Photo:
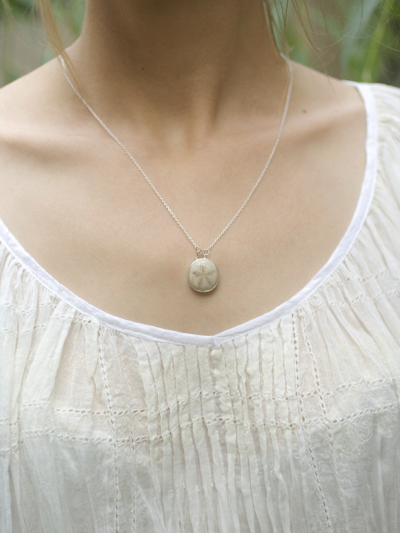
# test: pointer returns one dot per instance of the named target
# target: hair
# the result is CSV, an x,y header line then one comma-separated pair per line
x,y
53,35
46,14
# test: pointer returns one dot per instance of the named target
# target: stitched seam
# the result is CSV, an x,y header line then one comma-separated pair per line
x,y
23,331
358,384
349,301
365,279
258,396
6,422
110,406
368,384
37,405
217,420
167,435
134,487
359,414
132,448
7,451
313,463
323,408
62,436
13,306
83,440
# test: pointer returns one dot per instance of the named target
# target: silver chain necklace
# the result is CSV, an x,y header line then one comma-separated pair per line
x,y
203,273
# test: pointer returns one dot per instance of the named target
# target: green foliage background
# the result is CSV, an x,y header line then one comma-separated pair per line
x,y
351,39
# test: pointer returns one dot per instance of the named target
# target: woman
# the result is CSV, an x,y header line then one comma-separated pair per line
x,y
131,398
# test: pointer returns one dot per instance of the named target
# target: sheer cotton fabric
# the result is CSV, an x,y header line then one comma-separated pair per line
x,y
287,424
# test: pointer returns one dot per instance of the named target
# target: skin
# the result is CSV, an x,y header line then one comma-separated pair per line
x,y
196,91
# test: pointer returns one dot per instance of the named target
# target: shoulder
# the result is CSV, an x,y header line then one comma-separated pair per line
x,y
24,100
27,115
383,102
38,122
37,111
384,92
387,101
38,140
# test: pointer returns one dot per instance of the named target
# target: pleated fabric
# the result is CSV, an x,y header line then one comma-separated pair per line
x,y
292,427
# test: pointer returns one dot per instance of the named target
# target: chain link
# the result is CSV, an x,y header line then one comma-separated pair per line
x,y
198,249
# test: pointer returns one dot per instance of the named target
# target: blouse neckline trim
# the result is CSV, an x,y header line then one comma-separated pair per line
x,y
155,333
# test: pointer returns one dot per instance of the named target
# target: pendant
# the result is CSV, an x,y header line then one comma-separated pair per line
x,y
203,273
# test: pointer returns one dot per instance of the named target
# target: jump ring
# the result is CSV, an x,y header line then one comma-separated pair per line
x,y
204,252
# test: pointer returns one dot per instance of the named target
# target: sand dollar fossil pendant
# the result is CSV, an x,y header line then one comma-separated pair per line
x,y
203,273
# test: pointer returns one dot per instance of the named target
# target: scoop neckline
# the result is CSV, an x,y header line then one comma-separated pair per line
x,y
155,333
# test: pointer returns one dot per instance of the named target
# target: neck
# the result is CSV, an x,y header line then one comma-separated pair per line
x,y
180,60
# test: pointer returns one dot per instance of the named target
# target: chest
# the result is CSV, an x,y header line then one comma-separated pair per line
x,y
94,223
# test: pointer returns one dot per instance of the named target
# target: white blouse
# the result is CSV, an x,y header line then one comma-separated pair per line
x,y
288,423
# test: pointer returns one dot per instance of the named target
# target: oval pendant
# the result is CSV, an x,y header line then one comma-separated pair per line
x,y
203,275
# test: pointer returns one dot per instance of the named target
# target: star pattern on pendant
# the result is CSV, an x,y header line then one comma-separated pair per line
x,y
204,275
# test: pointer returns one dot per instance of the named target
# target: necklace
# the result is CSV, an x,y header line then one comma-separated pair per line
x,y
203,273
